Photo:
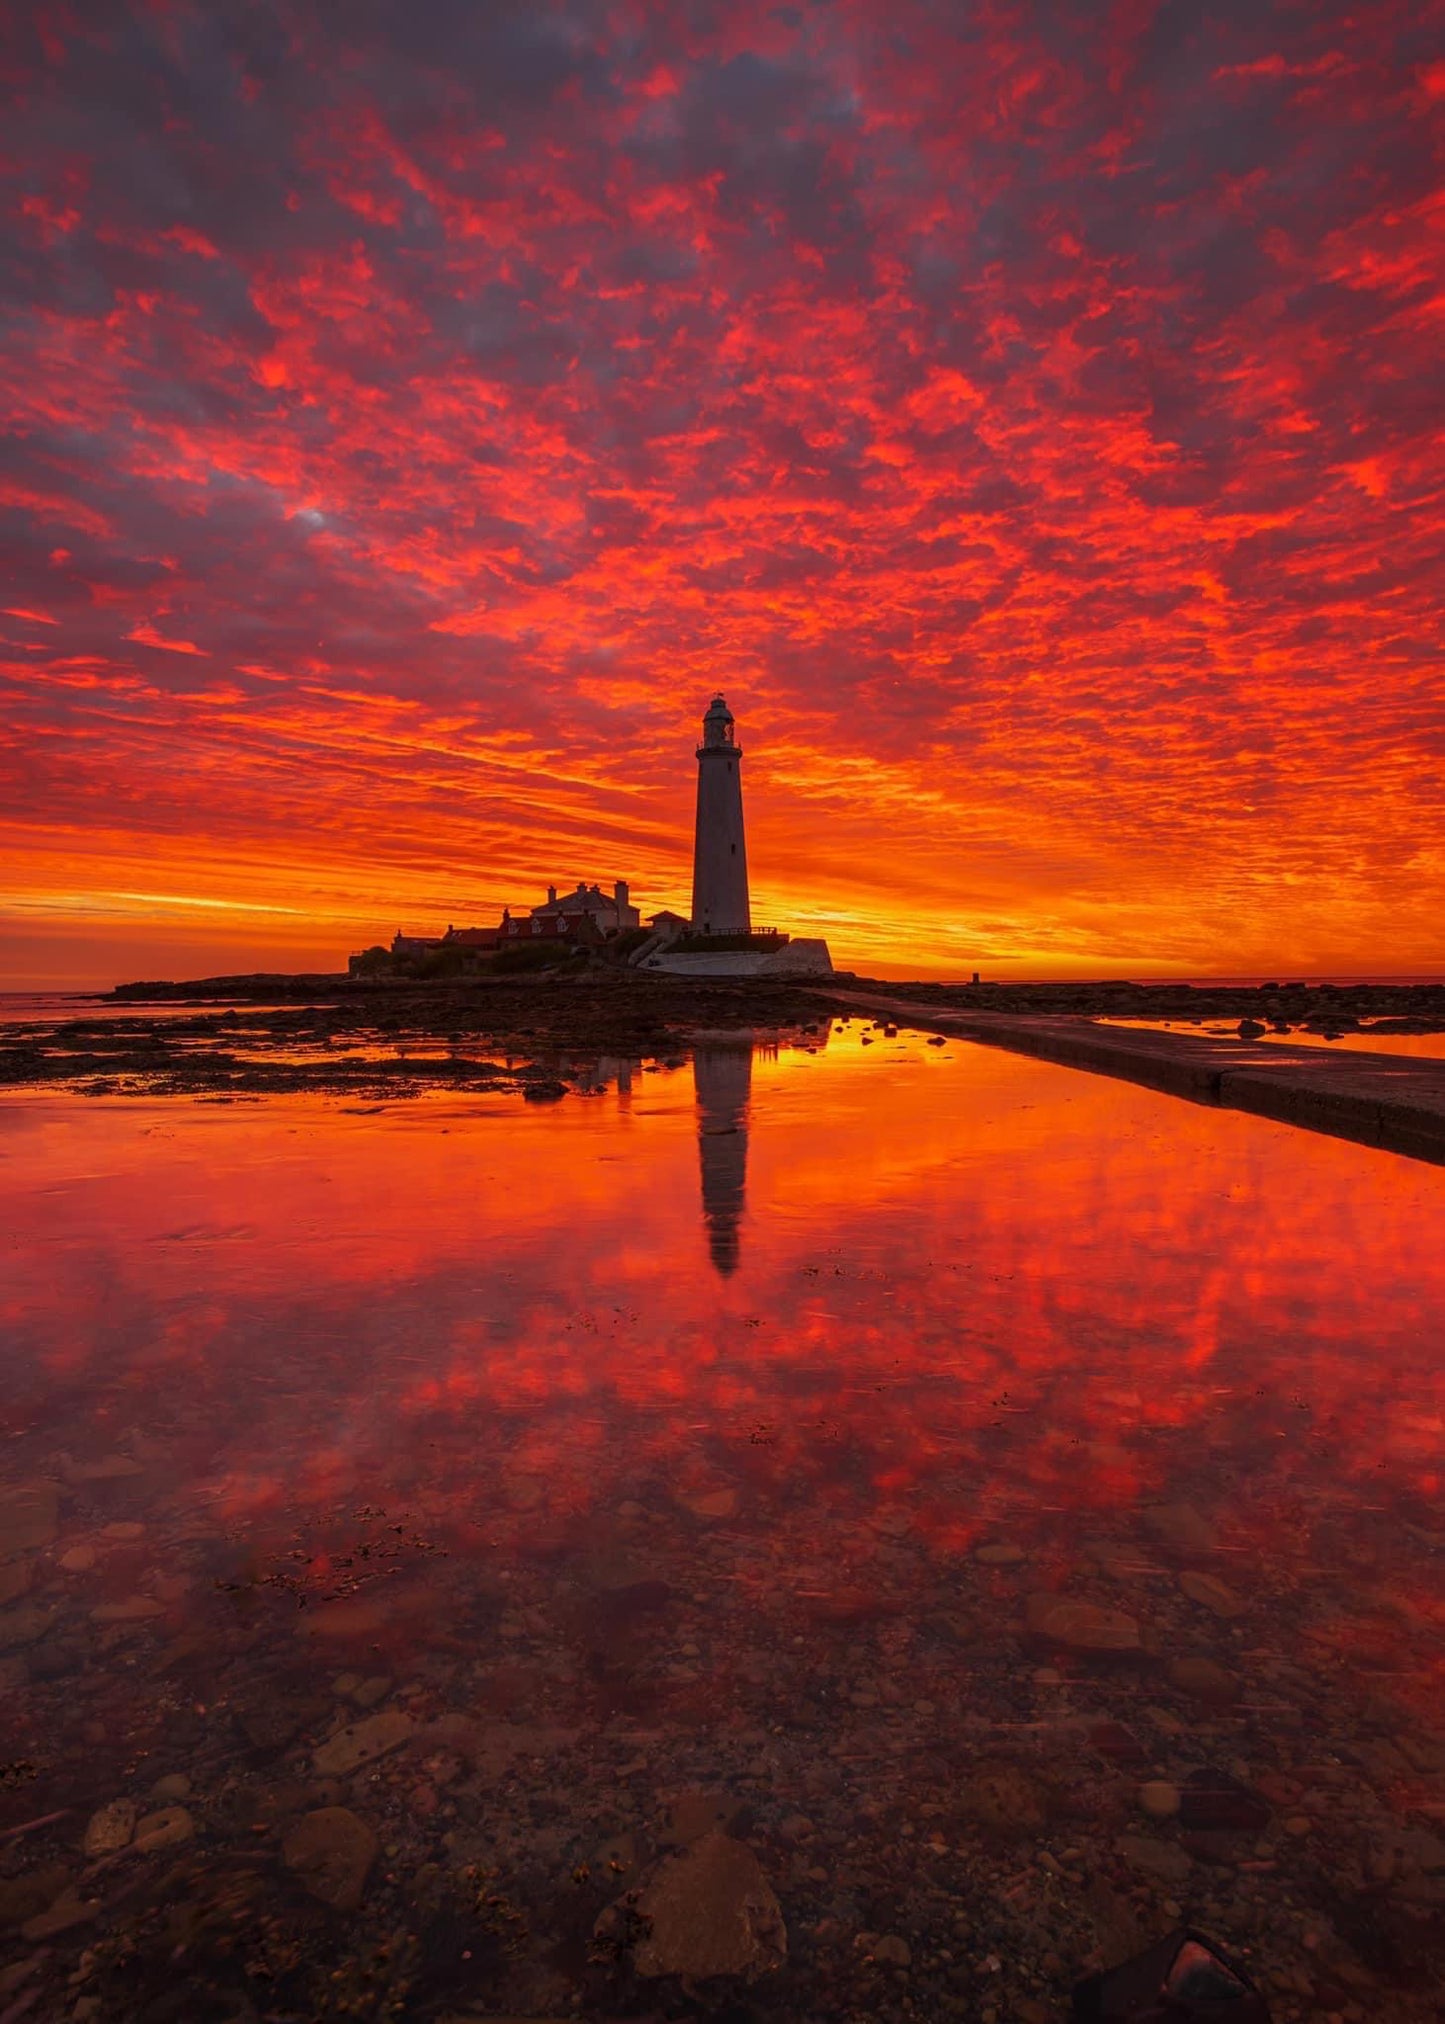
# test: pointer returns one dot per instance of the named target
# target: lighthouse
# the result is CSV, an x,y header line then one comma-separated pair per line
x,y
720,858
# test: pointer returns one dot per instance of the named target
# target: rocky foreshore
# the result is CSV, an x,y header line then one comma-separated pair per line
x,y
542,1035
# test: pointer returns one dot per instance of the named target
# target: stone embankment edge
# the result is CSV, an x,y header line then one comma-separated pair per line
x,y
1394,1102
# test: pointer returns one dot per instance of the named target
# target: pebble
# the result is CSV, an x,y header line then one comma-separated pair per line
x,y
1002,1553
175,1785
893,1951
1299,1825
1159,1799
78,1560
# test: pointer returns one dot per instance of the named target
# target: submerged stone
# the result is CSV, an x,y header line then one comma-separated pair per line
x,y
361,1743
331,1852
1211,1593
110,1829
708,1910
1181,1527
168,1828
1215,1799
1081,1626
1205,1681
28,1517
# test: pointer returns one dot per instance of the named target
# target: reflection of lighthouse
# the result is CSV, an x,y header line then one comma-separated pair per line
x,y
724,1078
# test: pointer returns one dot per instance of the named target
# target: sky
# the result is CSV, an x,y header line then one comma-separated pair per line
x,y
1028,415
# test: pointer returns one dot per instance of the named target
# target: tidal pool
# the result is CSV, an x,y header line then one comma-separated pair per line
x,y
935,1519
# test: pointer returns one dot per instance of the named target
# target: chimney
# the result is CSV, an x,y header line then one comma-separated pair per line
x,y
619,893
551,895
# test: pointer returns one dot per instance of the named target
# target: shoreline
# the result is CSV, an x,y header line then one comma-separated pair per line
x,y
541,1036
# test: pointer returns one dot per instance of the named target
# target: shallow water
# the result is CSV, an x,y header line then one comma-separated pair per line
x,y
722,1433
1417,1046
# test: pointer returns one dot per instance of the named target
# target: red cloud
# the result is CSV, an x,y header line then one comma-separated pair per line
x,y
1030,420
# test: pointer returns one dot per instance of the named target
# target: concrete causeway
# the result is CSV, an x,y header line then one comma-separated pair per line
x,y
1389,1100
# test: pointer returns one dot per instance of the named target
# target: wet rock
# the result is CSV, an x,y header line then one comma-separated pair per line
x,y
1162,1859
331,1852
110,1829
893,1951
1203,1680
708,1910
1081,1626
168,1828
1211,1593
1000,1553
28,1516
1215,1799
174,1786
370,1693
1159,1799
78,1559
362,1743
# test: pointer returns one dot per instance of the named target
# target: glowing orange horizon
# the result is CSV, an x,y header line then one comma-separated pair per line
x,y
1027,421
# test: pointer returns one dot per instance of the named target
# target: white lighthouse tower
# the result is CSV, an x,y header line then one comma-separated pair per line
x,y
720,857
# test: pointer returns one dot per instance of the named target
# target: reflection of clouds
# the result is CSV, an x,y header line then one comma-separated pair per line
x,y
415,1310
724,1079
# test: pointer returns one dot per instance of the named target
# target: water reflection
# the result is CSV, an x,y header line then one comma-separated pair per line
x,y
594,1529
723,1077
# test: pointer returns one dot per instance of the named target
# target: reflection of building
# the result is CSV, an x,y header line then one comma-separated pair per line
x,y
723,1075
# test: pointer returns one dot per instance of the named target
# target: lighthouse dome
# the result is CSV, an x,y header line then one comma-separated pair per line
x,y
717,725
